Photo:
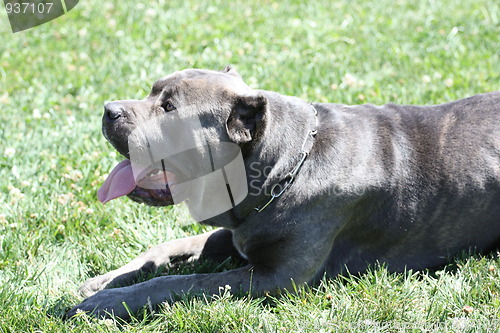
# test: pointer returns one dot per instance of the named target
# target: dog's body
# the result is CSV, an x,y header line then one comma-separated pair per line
x,y
408,186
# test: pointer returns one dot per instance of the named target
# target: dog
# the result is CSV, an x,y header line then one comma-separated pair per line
x,y
330,188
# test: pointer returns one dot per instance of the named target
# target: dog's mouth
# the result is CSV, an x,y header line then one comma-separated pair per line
x,y
151,186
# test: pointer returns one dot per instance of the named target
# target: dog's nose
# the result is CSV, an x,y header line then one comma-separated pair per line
x,y
113,110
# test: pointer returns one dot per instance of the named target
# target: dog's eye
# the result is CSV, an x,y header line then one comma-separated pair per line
x,y
168,106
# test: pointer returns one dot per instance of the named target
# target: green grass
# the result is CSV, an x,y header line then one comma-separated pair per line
x,y
55,78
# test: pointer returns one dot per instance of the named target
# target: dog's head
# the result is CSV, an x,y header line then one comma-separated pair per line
x,y
192,123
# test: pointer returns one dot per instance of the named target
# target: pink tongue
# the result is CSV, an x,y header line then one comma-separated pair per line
x,y
120,182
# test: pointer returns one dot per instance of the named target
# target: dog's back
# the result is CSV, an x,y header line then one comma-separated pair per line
x,y
429,178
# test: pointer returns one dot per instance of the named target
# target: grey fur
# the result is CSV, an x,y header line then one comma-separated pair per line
x,y
408,186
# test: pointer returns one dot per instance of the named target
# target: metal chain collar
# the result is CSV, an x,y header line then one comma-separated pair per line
x,y
287,181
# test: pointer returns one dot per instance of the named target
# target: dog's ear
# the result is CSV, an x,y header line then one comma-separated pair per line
x,y
231,71
246,118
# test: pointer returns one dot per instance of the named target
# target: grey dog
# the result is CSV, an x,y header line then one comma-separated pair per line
x,y
408,186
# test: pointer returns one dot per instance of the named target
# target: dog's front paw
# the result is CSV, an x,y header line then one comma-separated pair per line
x,y
95,284
120,302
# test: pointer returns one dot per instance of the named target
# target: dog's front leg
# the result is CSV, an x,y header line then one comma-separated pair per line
x,y
215,245
165,289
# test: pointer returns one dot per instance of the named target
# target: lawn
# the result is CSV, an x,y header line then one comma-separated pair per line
x,y
55,78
